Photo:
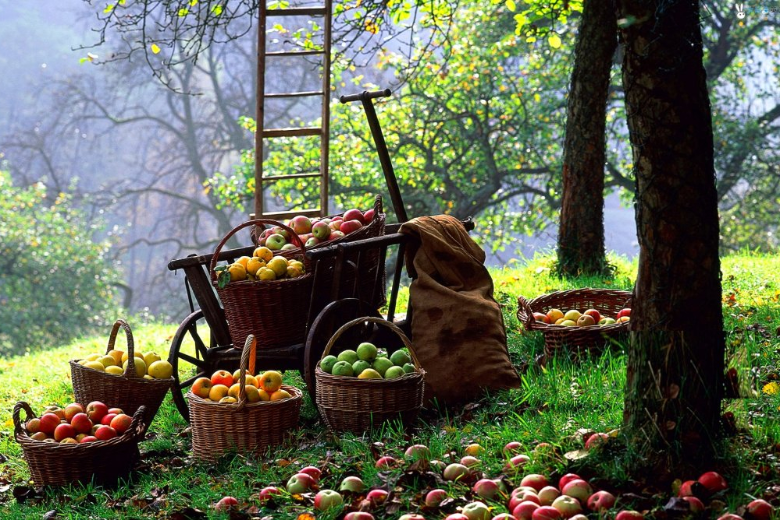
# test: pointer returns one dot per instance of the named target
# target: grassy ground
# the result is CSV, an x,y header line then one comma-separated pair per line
x,y
552,405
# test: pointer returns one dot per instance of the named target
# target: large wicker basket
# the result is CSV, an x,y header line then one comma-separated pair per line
x,y
357,405
607,301
268,310
218,428
128,391
101,462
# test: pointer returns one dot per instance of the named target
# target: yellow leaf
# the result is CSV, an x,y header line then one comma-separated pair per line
x,y
771,388
554,40
155,48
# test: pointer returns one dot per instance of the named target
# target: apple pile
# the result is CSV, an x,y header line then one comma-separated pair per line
x,y
263,265
316,230
77,424
575,318
368,362
224,387
148,366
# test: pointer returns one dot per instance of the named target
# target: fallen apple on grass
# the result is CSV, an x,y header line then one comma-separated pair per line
x,y
516,463
546,513
567,506
578,489
352,484
455,471
601,501
226,503
547,495
486,488
435,497
629,515
713,481
326,499
476,511
385,462
524,510
300,483
267,493
535,481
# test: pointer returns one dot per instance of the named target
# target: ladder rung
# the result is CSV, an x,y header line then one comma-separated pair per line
x,y
293,53
291,213
297,11
276,95
292,132
292,176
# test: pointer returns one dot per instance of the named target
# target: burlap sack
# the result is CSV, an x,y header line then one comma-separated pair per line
x,y
457,327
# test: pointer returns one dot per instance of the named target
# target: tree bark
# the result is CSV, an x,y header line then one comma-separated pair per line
x,y
581,231
676,355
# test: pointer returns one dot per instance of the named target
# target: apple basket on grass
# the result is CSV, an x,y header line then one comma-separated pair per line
x,y
101,462
243,426
607,301
128,391
268,309
356,405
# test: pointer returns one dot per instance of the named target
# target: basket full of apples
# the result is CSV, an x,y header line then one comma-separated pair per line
x,y
362,388
580,318
128,379
241,411
79,443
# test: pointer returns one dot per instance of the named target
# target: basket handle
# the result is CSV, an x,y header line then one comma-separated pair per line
x,y
120,323
377,207
137,425
215,256
378,321
18,407
250,350
524,313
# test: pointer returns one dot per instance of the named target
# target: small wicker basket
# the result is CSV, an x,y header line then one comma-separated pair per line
x,y
218,428
101,462
128,391
606,301
268,310
356,405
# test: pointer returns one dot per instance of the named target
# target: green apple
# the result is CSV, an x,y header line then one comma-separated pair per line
x,y
327,363
350,356
606,321
569,323
400,358
409,368
366,351
393,372
342,368
381,364
360,365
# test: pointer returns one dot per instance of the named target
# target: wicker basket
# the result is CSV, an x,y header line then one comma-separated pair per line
x,y
606,301
128,391
101,462
356,405
244,427
268,310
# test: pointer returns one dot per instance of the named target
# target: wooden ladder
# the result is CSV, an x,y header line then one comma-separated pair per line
x,y
322,131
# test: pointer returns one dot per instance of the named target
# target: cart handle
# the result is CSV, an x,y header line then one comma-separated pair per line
x,y
365,95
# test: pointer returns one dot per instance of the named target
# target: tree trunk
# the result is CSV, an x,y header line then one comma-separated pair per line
x,y
581,231
676,356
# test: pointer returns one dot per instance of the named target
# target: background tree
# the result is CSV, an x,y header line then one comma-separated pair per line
x,y
676,356
581,228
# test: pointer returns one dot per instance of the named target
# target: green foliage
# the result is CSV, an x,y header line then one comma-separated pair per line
x,y
55,281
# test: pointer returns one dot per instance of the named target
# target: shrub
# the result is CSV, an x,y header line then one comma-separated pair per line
x,y
55,281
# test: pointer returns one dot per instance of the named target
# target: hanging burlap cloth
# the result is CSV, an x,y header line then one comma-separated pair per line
x,y
457,327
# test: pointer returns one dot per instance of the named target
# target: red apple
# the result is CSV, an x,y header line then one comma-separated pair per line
x,y
368,216
513,447
71,410
516,463
313,471
713,481
411,516
730,516
520,489
377,496
567,478
226,503
759,509
567,506
486,488
593,313
579,517
623,312
49,421
503,516
455,471
470,461
106,419
601,500
81,423
96,411
690,488
88,438
697,506
326,499
578,489
385,462
121,423
352,484
267,493
540,316
321,231
629,515
547,495
63,431
105,433
476,511
546,513
359,515
524,510
456,516
348,226
435,497
354,214
300,224
535,481
418,451
595,440
300,483
116,411
336,234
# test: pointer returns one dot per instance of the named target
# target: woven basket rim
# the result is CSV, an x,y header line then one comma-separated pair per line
x,y
411,376
297,395
123,378
531,324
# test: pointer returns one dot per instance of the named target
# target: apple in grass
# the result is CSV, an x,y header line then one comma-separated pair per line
x,y
226,503
385,462
578,489
435,497
697,506
411,516
524,510
601,500
568,477
359,515
713,481
455,471
377,496
535,481
476,511
352,484
503,516
300,483
546,513
326,499
547,495
470,461
313,471
267,493
486,488
629,515
456,516
596,440
567,506
513,448
516,463
418,451
759,509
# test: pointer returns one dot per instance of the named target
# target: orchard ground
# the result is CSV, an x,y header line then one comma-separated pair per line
x,y
553,404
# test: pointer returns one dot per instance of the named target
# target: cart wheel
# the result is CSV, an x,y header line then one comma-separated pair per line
x,y
190,358
332,316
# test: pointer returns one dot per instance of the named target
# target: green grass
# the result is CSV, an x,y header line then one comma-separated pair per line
x,y
552,405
